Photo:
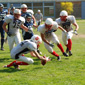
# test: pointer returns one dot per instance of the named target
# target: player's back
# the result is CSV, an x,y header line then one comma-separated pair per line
x,y
24,47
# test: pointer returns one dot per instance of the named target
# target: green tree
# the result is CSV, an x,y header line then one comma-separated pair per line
x,y
68,6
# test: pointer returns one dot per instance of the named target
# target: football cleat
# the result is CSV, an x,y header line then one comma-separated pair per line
x,y
65,54
58,58
39,52
67,50
70,53
5,66
2,49
16,66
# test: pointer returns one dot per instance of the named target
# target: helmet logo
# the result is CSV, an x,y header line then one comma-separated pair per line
x,y
36,38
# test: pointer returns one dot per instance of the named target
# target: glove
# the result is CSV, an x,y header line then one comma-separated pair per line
x,y
30,30
51,45
75,32
9,34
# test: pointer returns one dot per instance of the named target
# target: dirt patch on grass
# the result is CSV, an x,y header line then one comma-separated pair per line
x,y
79,36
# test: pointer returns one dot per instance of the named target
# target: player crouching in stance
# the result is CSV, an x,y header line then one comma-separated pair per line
x,y
66,21
47,34
25,46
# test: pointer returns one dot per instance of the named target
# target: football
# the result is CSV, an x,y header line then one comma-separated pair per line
x,y
43,62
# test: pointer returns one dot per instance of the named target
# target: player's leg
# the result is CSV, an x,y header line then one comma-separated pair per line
x,y
50,50
69,45
17,38
2,36
55,40
11,42
67,41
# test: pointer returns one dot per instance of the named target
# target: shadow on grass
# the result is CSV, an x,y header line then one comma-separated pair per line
x,y
37,68
1,60
10,70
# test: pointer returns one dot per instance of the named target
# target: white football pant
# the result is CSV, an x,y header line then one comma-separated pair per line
x,y
14,39
66,36
52,38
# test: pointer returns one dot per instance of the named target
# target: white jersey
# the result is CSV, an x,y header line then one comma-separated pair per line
x,y
14,25
67,25
25,46
44,31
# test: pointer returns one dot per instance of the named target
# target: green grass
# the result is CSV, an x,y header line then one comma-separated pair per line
x,y
68,71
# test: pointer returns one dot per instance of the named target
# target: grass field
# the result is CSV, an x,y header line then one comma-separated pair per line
x,y
68,71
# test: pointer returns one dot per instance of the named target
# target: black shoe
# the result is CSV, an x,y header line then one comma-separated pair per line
x,y
67,50
65,54
39,52
16,66
2,49
58,58
70,53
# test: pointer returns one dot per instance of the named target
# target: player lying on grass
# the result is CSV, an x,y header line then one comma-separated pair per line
x,y
26,46
47,34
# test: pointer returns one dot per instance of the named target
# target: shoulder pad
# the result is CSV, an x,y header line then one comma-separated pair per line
x,y
8,16
22,19
30,11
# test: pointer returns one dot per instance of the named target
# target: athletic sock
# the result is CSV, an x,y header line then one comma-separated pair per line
x,y
69,46
2,43
60,47
11,64
55,54
21,63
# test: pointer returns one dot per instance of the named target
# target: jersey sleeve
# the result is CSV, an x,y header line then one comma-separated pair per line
x,y
55,25
41,29
72,18
22,20
30,11
58,21
7,18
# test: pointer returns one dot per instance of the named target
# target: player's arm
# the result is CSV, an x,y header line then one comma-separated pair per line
x,y
34,19
61,29
4,26
34,25
24,27
43,38
76,26
38,56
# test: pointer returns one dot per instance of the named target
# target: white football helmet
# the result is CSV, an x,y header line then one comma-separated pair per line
x,y
23,6
38,11
63,13
37,39
17,11
49,21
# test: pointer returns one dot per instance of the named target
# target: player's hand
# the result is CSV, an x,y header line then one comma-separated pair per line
x,y
36,26
30,29
75,32
9,34
51,45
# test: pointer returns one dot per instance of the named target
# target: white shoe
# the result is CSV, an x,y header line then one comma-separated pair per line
x,y
5,66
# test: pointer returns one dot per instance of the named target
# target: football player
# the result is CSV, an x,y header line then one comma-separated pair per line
x,y
14,23
2,15
39,17
25,10
66,21
25,46
47,34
